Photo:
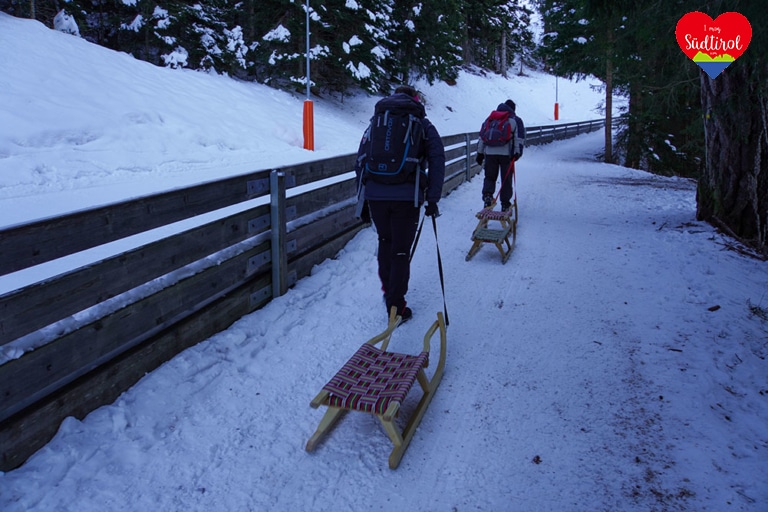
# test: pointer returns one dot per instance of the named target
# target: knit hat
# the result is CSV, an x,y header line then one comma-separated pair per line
x,y
410,91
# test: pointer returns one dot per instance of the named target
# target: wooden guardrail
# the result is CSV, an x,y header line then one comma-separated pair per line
x,y
184,265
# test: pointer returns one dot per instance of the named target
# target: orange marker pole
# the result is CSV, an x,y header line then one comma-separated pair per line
x,y
556,112
309,125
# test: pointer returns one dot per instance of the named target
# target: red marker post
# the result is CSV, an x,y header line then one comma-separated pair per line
x,y
309,125
309,109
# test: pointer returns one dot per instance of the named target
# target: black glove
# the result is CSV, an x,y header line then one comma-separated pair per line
x,y
480,158
431,209
365,213
518,155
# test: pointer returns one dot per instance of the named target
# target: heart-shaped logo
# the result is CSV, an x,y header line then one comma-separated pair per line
x,y
713,44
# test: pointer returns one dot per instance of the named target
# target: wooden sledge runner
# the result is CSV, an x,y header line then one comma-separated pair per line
x,y
497,235
376,381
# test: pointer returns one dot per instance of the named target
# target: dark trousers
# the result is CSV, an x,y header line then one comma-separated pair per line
x,y
495,164
396,224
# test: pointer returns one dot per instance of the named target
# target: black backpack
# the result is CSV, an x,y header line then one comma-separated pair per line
x,y
395,140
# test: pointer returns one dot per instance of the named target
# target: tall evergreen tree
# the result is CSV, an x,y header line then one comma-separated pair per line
x,y
349,44
521,41
427,42
583,37
733,188
497,30
355,32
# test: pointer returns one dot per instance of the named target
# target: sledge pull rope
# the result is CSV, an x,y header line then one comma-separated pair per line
x,y
439,260
514,182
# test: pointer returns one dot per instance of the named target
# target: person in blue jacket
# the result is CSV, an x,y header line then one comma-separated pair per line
x,y
395,208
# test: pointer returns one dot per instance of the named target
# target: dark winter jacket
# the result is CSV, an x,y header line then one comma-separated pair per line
x,y
430,178
515,145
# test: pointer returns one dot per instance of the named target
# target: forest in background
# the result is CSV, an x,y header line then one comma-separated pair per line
x,y
679,121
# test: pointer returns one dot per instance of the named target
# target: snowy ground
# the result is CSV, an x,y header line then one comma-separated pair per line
x,y
616,362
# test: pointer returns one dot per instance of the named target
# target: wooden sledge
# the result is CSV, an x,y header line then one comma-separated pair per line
x,y
497,235
376,381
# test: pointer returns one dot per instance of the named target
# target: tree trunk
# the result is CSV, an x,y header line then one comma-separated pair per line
x,y
504,53
733,190
609,111
609,100
634,136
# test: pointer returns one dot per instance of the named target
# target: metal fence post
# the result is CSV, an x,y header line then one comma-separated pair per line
x,y
468,142
278,233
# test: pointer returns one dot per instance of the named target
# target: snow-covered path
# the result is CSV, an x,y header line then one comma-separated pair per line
x,y
588,373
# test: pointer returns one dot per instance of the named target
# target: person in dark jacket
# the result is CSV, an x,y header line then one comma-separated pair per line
x,y
498,160
395,208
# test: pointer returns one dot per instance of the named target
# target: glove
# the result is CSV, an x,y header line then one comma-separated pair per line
x,y
480,158
431,209
365,214
518,155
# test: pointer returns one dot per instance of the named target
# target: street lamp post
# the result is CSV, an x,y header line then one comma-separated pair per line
x,y
309,128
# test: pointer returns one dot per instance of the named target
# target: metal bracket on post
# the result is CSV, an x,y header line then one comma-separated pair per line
x,y
278,233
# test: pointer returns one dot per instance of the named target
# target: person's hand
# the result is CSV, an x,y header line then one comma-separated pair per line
x,y
480,158
431,210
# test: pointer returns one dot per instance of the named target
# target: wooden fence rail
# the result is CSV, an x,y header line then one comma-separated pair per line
x,y
181,266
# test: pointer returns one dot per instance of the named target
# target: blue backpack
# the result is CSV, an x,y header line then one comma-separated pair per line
x,y
395,140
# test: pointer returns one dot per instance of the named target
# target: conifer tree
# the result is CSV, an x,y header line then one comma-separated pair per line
x,y
495,33
733,188
356,34
349,45
583,37
427,42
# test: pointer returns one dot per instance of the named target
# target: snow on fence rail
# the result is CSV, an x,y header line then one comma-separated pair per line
x,y
155,275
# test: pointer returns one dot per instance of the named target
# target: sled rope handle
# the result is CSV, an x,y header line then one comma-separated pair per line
x,y
439,260
514,183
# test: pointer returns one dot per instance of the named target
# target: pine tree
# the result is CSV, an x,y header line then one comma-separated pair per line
x,y
356,33
427,42
733,189
349,45
495,33
583,37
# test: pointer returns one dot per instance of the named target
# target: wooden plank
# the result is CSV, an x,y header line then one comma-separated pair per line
x,y
29,309
313,235
25,433
38,373
310,172
459,152
454,169
303,264
453,183
450,140
45,240
314,201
